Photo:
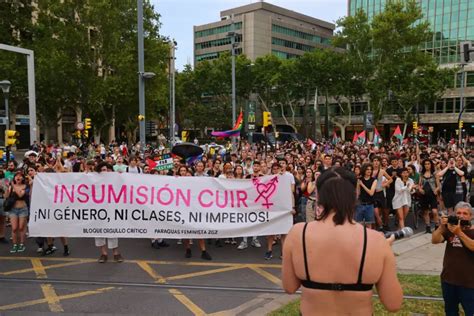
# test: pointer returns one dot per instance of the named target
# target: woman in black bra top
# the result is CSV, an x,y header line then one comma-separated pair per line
x,y
337,261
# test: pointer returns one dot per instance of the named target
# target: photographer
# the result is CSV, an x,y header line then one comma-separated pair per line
x,y
335,259
457,279
451,191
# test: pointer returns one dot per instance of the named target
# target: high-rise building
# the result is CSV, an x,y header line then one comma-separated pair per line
x,y
261,29
451,21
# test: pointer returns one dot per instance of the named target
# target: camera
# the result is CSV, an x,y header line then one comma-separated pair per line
x,y
453,220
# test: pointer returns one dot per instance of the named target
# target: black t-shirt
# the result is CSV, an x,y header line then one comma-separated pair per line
x,y
458,262
364,197
393,172
449,181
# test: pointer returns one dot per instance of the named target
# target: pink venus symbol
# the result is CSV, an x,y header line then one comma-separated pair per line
x,y
265,190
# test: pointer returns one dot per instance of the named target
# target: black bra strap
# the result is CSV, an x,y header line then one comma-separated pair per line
x,y
361,268
304,253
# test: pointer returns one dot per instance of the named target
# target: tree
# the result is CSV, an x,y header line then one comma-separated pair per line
x,y
15,29
411,75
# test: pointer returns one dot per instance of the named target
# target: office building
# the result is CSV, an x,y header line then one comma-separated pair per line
x,y
452,22
262,29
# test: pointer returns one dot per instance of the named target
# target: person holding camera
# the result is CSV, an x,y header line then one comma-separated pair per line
x,y
452,190
457,279
336,260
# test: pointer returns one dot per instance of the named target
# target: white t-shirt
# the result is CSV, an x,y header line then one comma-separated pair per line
x,y
131,169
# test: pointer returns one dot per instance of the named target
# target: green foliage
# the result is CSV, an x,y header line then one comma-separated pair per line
x,y
86,58
417,285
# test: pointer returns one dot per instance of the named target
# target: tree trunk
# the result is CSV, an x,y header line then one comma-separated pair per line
x,y
318,135
59,128
305,115
112,126
46,134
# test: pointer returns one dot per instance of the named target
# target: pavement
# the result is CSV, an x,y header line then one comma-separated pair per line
x,y
417,255
152,282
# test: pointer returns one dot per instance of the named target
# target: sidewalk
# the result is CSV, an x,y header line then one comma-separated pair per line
x,y
417,255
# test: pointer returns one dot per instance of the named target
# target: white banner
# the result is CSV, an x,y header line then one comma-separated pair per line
x,y
151,206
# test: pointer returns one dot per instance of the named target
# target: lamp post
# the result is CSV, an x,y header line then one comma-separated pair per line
x,y
461,105
233,44
5,86
172,71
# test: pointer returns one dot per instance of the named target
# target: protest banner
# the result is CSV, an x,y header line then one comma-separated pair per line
x,y
165,162
150,206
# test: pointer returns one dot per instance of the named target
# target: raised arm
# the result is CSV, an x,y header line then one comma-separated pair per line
x,y
388,286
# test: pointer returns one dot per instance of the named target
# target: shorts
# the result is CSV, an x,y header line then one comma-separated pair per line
x,y
380,200
365,213
111,242
449,199
428,202
19,212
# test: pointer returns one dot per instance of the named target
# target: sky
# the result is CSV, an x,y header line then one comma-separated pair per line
x,y
179,16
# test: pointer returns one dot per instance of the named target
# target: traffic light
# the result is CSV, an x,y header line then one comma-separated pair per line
x,y
87,123
267,119
77,134
86,133
11,137
141,117
466,49
461,124
415,126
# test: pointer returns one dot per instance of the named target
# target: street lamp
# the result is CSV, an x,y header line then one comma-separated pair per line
x,y
232,34
5,86
142,75
171,68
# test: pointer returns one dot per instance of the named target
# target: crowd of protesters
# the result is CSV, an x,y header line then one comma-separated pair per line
x,y
391,177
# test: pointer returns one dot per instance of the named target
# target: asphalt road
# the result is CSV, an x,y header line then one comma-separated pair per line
x,y
149,282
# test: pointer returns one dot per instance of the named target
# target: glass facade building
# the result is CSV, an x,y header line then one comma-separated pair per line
x,y
262,29
451,21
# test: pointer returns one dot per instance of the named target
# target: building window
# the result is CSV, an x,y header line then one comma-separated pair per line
x,y
469,104
470,79
449,106
290,44
217,30
208,56
218,42
294,33
283,55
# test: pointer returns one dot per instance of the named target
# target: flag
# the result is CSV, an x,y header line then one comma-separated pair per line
x,y
235,132
398,133
151,163
361,138
377,138
335,139
354,139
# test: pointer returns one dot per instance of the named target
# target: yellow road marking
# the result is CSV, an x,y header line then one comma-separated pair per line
x,y
62,297
52,298
207,272
38,268
181,263
148,269
52,266
187,302
267,275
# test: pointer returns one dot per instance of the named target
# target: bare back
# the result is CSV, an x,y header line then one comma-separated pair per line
x,y
334,256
